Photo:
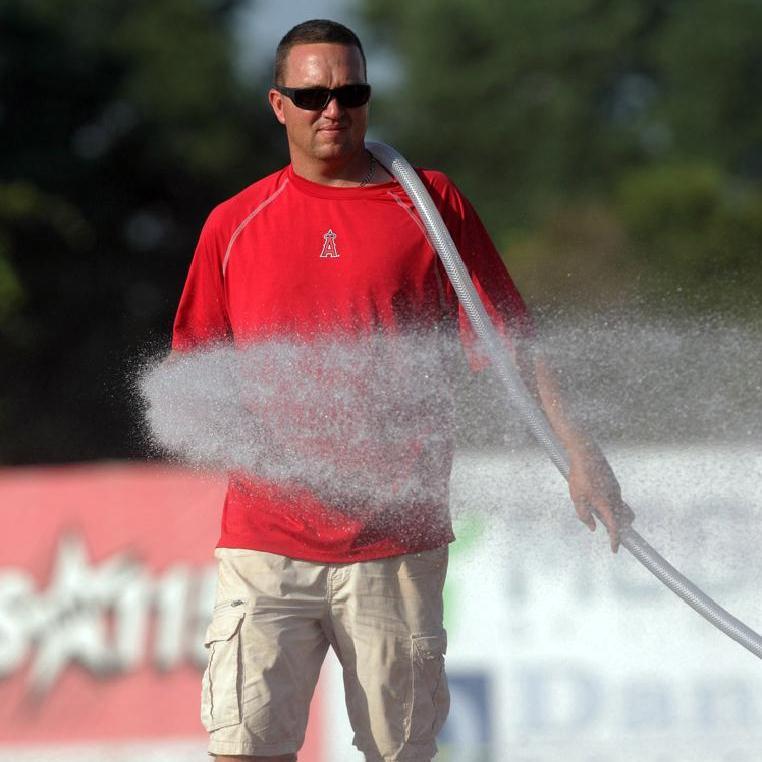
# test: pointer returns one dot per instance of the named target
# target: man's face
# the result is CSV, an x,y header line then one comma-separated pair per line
x,y
334,134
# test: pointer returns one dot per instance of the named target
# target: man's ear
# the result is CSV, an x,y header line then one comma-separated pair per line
x,y
276,103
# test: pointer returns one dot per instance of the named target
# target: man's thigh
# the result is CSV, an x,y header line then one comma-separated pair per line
x,y
389,636
266,645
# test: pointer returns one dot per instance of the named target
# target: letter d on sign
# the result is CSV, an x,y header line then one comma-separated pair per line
x,y
558,699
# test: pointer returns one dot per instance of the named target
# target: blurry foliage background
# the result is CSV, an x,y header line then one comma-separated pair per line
x,y
613,147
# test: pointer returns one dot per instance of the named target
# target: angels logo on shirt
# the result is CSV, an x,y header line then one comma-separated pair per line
x,y
329,245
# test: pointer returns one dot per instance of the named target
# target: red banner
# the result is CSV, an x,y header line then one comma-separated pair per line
x,y
106,588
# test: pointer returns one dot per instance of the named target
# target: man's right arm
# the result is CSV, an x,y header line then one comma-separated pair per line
x,y
202,314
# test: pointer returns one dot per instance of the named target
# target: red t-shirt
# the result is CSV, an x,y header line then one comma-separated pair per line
x,y
289,258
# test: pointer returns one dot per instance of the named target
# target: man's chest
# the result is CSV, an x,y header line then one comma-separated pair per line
x,y
311,266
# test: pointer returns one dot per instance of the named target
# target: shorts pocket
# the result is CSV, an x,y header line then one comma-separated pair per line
x,y
220,686
430,697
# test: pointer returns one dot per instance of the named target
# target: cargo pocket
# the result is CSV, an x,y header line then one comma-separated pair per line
x,y
220,686
430,697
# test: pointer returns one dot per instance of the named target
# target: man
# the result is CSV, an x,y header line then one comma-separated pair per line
x,y
331,245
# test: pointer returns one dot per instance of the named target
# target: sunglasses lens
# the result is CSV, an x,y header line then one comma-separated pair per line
x,y
352,96
312,98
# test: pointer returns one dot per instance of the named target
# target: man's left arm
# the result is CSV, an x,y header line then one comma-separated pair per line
x,y
593,487
592,484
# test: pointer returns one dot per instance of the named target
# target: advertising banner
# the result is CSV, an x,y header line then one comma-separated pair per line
x,y
557,649
106,589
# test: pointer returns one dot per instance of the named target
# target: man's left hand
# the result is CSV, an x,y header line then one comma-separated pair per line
x,y
595,491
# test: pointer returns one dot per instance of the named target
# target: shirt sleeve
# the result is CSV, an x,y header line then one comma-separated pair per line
x,y
202,315
494,285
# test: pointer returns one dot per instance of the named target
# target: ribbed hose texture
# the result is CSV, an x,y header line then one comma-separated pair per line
x,y
523,402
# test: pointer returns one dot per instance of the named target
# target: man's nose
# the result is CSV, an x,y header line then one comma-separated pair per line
x,y
333,108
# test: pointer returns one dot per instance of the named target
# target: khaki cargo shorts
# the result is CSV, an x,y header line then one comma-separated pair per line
x,y
273,622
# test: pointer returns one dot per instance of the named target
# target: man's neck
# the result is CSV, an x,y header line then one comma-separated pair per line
x,y
349,173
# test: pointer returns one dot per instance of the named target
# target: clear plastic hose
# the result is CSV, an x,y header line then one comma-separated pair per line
x,y
519,397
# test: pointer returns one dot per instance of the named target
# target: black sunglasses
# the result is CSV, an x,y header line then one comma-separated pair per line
x,y
317,98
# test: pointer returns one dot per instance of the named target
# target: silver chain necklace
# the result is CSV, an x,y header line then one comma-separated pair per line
x,y
371,170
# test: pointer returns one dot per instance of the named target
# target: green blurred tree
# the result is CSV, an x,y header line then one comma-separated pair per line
x,y
548,114
121,125
696,228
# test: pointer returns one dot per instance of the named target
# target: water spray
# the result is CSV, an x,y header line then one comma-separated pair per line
x,y
521,400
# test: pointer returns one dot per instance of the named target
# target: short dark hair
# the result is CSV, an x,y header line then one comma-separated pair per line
x,y
315,30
